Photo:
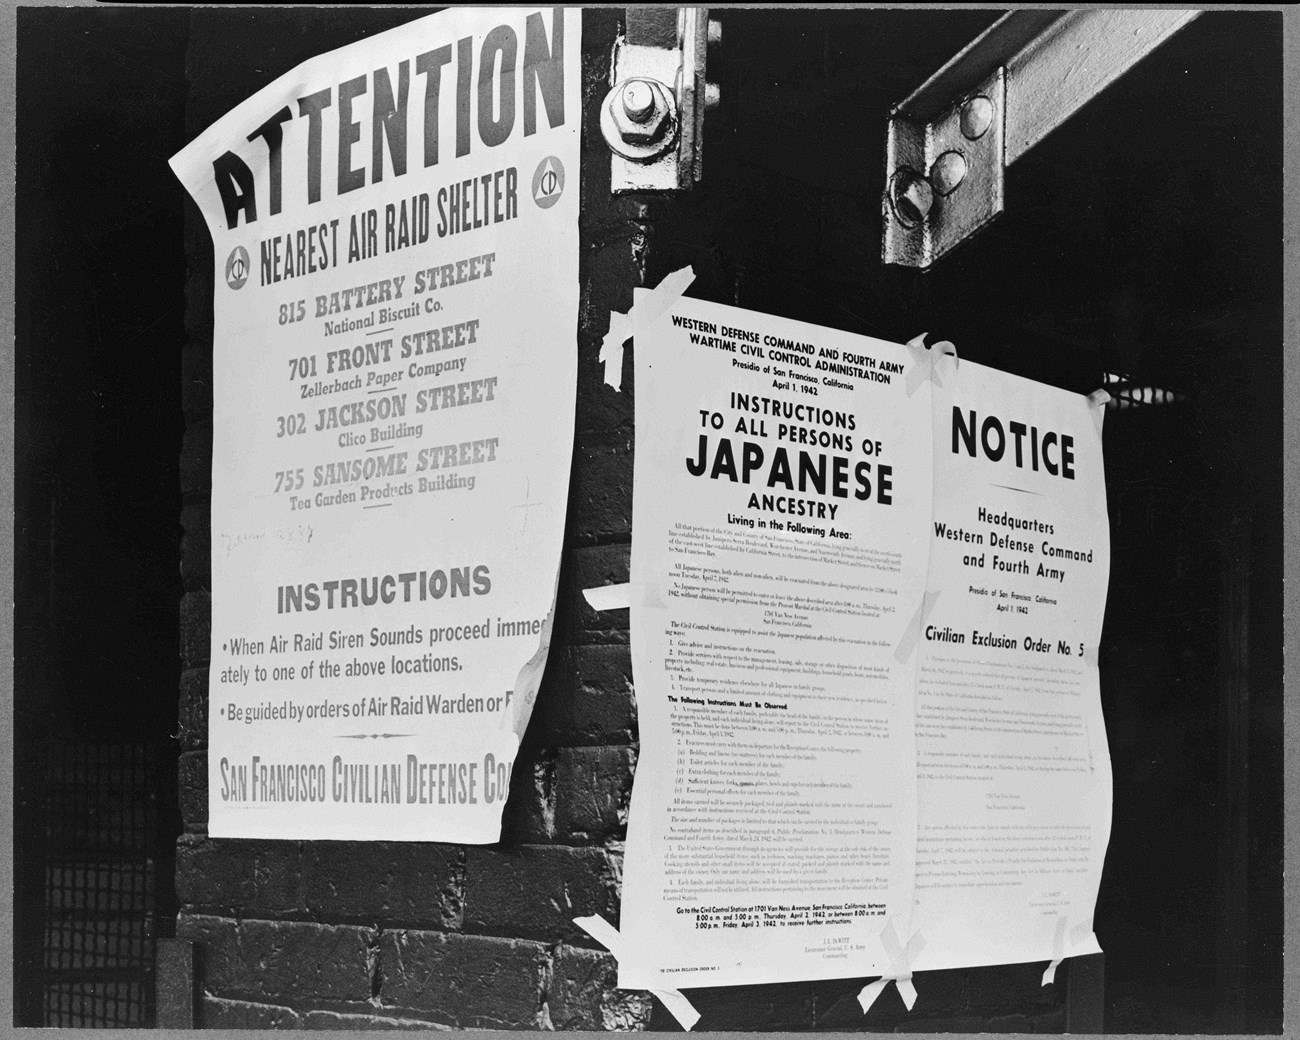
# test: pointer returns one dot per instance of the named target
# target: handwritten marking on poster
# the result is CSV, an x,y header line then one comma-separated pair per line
x,y
394,367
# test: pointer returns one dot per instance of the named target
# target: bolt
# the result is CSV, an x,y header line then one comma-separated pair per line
x,y
948,171
639,113
638,101
976,117
911,196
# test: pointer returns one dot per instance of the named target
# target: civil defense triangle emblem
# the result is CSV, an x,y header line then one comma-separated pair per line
x,y
548,182
237,267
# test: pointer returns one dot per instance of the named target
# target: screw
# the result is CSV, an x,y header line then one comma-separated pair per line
x,y
638,101
976,117
911,196
948,171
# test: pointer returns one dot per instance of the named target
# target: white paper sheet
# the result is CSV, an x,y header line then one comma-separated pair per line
x,y
395,236
902,725
778,557
1014,776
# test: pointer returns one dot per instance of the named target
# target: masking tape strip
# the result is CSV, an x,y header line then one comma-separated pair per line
x,y
919,371
912,634
611,348
871,991
1058,951
898,974
938,352
607,935
661,298
925,362
1099,398
1090,655
609,597
664,295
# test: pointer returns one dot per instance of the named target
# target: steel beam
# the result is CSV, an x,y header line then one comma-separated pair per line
x,y
1031,70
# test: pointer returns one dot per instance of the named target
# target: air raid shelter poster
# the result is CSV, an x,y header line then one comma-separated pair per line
x,y
395,237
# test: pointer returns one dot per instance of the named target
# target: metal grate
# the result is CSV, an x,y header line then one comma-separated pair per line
x,y
98,1003
1125,392
101,826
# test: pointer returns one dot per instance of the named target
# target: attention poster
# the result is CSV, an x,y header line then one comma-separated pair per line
x,y
395,235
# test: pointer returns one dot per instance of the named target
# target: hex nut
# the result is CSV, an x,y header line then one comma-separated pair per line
x,y
910,197
650,127
638,119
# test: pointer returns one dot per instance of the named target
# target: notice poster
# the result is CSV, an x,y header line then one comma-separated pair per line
x,y
396,251
871,731
777,565
1014,782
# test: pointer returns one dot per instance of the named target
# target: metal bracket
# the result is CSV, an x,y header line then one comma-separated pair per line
x,y
1034,68
945,177
653,117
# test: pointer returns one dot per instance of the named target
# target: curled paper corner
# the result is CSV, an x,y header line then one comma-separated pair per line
x,y
925,362
900,974
529,680
912,633
609,597
621,324
607,935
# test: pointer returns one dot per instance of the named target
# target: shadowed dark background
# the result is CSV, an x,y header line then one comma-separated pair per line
x,y
1142,238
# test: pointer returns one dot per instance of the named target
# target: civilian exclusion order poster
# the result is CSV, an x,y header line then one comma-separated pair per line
x,y
867,590
395,235
1013,771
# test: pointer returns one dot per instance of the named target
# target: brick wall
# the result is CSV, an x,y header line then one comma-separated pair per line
x,y
359,934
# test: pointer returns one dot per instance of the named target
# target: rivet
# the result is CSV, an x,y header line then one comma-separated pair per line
x,y
638,101
948,171
976,117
